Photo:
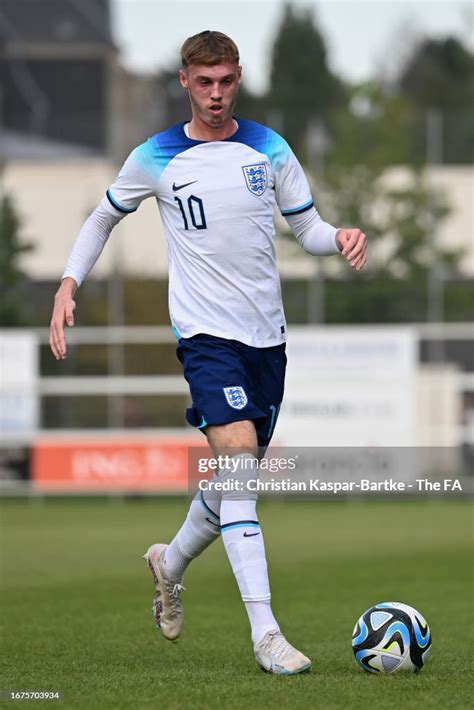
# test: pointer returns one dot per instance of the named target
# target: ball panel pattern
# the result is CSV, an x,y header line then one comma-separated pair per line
x,y
391,636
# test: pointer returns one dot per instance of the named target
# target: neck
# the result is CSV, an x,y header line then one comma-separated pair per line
x,y
200,131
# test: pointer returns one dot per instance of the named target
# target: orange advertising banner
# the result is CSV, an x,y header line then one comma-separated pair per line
x,y
93,465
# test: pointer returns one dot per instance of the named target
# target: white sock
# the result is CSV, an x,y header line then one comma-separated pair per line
x,y
200,528
261,619
243,541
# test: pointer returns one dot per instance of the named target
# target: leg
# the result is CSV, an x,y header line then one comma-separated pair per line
x,y
206,360
223,375
245,549
168,563
202,524
241,534
200,528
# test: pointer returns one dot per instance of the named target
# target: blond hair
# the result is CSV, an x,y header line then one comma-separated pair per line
x,y
209,48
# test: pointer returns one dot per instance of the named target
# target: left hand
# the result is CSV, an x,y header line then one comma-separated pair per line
x,y
352,244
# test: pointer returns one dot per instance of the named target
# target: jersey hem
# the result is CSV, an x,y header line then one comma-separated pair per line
x,y
253,343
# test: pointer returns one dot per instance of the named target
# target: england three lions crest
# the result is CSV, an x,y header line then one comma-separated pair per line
x,y
236,397
256,178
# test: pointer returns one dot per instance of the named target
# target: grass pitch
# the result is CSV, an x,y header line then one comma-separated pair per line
x,y
77,596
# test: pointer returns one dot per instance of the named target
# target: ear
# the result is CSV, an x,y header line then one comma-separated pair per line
x,y
239,74
183,79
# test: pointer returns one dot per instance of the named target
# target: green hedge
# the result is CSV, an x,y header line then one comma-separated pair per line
x,y
378,301
358,300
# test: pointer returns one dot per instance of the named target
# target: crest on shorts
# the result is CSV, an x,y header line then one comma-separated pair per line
x,y
236,397
256,178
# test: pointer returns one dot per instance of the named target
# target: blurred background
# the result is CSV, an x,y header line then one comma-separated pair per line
x,y
376,99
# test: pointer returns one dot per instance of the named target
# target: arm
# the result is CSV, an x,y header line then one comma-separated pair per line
x,y
293,196
322,239
132,185
315,236
85,252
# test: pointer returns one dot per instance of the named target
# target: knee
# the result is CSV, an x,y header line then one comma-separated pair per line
x,y
233,438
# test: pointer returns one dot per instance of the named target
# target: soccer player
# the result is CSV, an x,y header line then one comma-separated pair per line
x,y
217,180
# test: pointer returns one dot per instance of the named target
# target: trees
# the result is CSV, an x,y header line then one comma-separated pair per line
x,y
13,306
377,129
400,220
413,216
302,86
372,127
440,74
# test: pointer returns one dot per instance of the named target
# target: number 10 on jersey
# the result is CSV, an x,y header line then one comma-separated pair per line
x,y
192,211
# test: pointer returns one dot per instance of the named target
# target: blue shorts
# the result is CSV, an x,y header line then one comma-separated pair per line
x,y
233,382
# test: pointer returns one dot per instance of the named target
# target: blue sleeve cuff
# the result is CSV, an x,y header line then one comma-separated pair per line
x,y
118,207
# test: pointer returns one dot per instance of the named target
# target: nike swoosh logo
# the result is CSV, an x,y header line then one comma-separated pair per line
x,y
246,534
180,187
213,523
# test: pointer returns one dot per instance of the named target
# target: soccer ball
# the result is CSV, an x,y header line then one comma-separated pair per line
x,y
391,637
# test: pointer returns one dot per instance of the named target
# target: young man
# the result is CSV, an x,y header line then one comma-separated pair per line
x,y
217,180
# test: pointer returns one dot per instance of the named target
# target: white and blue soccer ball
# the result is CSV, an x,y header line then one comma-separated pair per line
x,y
391,637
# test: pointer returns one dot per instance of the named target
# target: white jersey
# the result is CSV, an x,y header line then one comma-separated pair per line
x,y
217,201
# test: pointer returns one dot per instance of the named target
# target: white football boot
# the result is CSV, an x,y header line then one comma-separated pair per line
x,y
167,607
275,655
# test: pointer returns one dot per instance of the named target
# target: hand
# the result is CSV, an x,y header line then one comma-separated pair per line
x,y
63,312
352,244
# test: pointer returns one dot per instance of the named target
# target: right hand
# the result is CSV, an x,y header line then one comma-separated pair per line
x,y
63,312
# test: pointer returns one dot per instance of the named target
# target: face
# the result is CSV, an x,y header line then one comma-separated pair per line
x,y
212,91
